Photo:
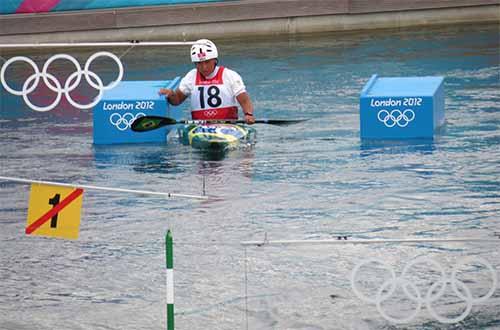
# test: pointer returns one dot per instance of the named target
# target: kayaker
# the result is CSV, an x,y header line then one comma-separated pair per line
x,y
215,91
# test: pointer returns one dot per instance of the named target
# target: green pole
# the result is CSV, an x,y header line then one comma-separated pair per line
x,y
170,280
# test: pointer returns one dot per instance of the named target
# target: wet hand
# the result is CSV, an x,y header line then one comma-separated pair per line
x,y
249,119
166,91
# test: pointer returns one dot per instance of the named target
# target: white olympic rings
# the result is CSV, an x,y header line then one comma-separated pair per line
x,y
435,292
125,121
55,85
396,117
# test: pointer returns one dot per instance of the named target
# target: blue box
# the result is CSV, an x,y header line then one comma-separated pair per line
x,y
401,108
121,105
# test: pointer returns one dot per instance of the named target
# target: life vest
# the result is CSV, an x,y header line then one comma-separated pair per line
x,y
212,99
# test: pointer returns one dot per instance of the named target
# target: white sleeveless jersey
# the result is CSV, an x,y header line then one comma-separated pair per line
x,y
213,97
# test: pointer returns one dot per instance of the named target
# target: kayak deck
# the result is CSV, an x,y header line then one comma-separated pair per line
x,y
216,137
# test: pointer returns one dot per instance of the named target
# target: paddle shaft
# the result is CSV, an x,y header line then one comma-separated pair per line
x,y
148,123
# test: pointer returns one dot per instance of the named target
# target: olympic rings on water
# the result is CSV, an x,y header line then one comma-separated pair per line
x,y
22,59
125,121
404,283
100,88
55,85
422,260
467,298
355,271
36,107
435,292
470,260
396,117
57,89
112,84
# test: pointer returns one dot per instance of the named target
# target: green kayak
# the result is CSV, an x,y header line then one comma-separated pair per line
x,y
216,137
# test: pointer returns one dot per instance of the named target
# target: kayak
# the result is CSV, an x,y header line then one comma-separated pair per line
x,y
216,137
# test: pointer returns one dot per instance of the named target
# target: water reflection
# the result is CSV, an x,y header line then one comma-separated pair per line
x,y
372,147
241,160
174,158
143,158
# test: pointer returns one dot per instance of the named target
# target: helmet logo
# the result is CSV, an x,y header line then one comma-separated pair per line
x,y
201,55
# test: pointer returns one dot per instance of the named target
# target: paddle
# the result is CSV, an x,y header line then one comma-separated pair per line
x,y
149,123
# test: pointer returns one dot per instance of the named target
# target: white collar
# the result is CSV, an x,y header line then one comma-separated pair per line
x,y
214,73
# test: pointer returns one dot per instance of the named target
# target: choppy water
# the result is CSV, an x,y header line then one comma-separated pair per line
x,y
311,181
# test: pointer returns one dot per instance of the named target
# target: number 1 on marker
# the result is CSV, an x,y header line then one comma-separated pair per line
x,y
54,201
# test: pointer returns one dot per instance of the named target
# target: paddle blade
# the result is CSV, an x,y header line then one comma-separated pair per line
x,y
281,122
149,123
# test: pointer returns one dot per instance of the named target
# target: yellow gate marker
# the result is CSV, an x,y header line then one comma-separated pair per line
x,y
54,211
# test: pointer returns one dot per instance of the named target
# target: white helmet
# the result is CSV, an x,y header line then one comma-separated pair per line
x,y
203,50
